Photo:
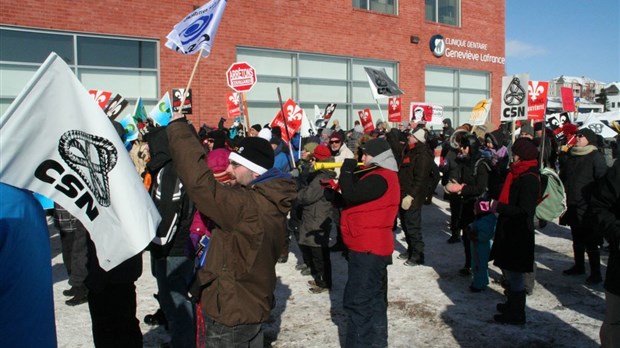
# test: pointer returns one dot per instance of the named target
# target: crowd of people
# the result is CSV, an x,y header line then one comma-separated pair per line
x,y
233,199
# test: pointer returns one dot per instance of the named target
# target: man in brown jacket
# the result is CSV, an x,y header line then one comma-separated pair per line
x,y
236,284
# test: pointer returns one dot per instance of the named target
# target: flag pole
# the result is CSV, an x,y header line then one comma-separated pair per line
x,y
290,147
191,78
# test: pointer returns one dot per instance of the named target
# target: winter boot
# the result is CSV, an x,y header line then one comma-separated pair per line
x,y
594,258
514,311
579,267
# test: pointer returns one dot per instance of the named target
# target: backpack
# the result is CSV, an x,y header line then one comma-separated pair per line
x,y
552,203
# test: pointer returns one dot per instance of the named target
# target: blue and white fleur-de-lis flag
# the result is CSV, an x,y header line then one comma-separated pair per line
x,y
197,30
55,140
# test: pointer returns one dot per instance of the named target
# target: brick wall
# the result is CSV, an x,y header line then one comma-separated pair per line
x,y
331,27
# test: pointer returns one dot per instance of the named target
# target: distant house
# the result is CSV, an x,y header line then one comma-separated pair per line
x,y
613,96
583,87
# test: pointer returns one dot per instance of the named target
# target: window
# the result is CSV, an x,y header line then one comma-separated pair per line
x,y
443,11
456,90
383,6
312,79
125,66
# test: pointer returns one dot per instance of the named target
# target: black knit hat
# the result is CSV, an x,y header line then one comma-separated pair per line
x,y
257,127
255,154
375,147
590,135
525,148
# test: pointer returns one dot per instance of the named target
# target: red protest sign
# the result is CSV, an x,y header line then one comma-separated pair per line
x,y
232,103
101,97
537,100
366,119
294,115
241,77
394,109
568,102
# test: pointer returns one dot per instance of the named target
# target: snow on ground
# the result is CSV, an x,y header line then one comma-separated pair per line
x,y
429,306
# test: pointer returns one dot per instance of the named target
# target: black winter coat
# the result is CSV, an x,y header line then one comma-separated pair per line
x,y
605,211
579,173
513,247
414,174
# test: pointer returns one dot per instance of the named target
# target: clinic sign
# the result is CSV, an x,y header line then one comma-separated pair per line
x,y
463,49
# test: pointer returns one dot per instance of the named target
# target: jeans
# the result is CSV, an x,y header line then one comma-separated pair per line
x,y
222,336
516,281
113,315
365,300
172,274
411,221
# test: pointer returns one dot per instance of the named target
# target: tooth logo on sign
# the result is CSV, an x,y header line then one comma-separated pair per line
x,y
92,158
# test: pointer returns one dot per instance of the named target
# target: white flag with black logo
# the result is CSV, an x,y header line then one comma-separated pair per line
x,y
55,140
381,85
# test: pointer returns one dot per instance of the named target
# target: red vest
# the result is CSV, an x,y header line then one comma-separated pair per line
x,y
367,227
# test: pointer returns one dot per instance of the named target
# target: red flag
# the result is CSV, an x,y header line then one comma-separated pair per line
x,y
232,103
294,115
568,102
366,119
394,109
537,100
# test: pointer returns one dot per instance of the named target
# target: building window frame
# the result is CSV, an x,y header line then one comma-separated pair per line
x,y
459,110
438,11
353,88
139,74
389,7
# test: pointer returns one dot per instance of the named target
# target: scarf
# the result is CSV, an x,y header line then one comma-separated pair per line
x,y
581,151
516,169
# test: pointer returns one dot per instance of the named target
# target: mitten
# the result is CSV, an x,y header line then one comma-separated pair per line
x,y
406,202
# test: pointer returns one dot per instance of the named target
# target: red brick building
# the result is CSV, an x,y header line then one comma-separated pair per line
x,y
313,51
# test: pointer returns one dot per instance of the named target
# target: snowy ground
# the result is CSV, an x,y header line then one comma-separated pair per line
x,y
429,306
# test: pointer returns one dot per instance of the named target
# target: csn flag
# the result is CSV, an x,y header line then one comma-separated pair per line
x,y
197,31
56,141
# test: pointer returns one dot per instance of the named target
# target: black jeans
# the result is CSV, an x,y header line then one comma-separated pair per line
x,y
321,266
365,300
411,222
113,314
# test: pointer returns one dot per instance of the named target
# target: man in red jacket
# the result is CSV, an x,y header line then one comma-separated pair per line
x,y
371,204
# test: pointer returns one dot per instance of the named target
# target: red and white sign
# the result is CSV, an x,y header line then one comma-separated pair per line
x,y
394,109
232,102
101,97
294,116
241,77
366,119
537,100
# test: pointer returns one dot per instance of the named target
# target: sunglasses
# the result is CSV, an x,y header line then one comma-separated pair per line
x,y
334,141
210,140
580,136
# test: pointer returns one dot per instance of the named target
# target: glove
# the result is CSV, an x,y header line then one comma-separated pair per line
x,y
406,202
348,165
493,206
294,172
453,187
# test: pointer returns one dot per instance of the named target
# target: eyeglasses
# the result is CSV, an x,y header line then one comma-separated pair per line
x,y
234,164
334,141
